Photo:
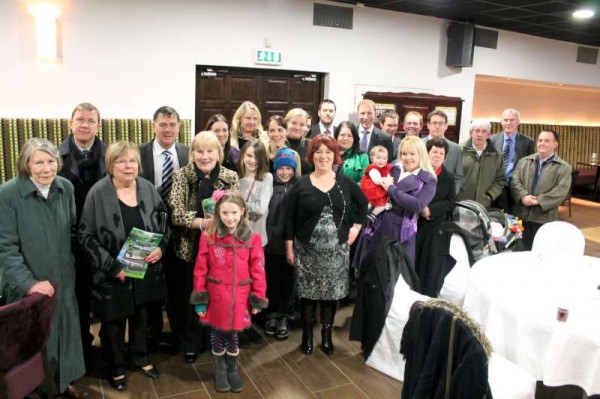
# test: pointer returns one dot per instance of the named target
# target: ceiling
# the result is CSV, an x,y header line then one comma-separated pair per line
x,y
546,18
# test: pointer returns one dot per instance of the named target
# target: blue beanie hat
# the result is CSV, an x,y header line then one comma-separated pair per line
x,y
285,157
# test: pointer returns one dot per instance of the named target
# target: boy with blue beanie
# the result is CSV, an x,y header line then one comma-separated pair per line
x,y
280,275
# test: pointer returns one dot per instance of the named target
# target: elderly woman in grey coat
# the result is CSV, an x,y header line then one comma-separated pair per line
x,y
37,212
114,206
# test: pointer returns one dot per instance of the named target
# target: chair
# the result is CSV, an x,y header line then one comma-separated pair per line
x,y
509,381
447,355
559,239
24,332
574,175
456,281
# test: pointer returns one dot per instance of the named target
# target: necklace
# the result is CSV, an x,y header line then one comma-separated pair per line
x,y
343,201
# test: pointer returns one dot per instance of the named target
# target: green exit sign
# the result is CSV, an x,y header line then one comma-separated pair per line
x,y
267,56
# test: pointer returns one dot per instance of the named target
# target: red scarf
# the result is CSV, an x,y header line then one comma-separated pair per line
x,y
438,170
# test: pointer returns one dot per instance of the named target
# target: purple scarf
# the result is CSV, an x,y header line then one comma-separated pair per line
x,y
409,220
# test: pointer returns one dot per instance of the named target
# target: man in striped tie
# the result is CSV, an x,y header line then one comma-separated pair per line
x,y
160,158
513,146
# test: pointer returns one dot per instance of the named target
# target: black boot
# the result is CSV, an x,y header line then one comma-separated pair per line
x,y
326,342
307,338
308,316
328,309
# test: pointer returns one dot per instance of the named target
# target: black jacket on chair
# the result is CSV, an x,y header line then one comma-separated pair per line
x,y
379,272
434,261
425,344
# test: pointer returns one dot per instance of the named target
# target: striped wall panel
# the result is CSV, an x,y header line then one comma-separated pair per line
x,y
15,132
576,143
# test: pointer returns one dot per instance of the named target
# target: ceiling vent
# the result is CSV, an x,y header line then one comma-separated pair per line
x,y
587,55
332,16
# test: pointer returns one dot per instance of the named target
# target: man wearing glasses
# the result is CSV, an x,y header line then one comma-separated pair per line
x,y
437,123
82,153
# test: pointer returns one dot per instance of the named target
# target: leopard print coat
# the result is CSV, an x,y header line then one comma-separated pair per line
x,y
182,201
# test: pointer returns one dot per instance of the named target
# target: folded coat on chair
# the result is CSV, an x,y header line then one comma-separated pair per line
x,y
379,272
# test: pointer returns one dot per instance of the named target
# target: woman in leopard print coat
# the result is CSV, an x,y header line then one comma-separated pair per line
x,y
191,184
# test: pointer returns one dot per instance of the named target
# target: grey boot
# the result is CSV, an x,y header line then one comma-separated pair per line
x,y
221,383
233,374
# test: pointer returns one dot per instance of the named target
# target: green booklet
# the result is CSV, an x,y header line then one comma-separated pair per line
x,y
208,207
138,246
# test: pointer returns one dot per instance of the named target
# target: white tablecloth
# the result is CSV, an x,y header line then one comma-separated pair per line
x,y
515,297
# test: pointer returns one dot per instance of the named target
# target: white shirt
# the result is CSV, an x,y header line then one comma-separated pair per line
x,y
159,160
404,174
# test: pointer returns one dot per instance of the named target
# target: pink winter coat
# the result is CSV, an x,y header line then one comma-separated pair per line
x,y
229,276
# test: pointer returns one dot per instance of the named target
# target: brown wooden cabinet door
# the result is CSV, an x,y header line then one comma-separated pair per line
x,y
422,103
222,90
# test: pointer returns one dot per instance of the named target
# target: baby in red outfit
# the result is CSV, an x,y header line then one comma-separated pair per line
x,y
371,181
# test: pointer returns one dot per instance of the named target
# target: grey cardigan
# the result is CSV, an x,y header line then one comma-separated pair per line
x,y
102,235
257,203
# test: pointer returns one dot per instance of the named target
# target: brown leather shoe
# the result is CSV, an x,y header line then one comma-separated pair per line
x,y
73,391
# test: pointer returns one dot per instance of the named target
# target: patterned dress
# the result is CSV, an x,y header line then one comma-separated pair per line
x,y
322,264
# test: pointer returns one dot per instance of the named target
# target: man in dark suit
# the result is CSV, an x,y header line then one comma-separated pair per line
x,y
437,123
388,120
326,117
82,153
163,149
514,146
368,134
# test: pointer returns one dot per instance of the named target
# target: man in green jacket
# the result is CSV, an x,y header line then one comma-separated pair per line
x,y
540,183
483,166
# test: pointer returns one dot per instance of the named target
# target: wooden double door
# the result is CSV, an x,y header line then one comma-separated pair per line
x,y
221,90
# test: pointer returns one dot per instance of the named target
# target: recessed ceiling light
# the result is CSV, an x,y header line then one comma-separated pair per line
x,y
583,13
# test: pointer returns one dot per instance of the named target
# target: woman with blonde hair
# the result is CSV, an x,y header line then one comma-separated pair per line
x,y
296,120
191,184
410,188
246,124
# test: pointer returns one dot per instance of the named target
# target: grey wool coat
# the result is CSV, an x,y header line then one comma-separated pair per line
x,y
35,245
102,235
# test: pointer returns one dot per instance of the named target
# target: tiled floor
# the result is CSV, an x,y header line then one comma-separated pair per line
x,y
270,369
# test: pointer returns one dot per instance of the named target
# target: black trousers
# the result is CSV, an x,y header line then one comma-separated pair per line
x,y
531,229
308,306
505,201
112,335
280,286
193,337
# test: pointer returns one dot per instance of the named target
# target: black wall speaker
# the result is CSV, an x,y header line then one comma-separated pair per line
x,y
460,44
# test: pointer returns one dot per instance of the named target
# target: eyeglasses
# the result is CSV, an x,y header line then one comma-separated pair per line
x,y
90,122
437,123
123,162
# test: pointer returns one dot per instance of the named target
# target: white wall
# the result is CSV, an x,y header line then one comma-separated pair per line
x,y
130,57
